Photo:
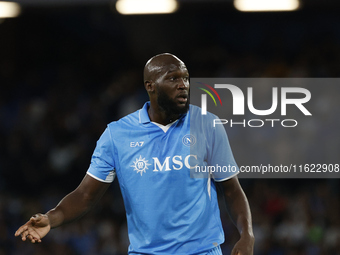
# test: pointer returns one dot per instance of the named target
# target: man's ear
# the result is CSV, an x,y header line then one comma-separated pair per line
x,y
149,86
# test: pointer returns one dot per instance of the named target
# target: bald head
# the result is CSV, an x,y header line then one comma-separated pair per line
x,y
166,79
160,63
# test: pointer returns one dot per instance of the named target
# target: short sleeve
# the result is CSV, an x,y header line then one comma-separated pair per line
x,y
221,160
102,162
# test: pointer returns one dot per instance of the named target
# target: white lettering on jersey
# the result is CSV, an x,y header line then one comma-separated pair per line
x,y
157,163
177,163
186,161
136,144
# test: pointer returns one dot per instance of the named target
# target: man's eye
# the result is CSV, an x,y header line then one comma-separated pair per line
x,y
186,78
172,78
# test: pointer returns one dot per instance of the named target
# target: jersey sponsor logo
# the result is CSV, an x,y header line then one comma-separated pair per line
x,y
140,165
176,162
189,140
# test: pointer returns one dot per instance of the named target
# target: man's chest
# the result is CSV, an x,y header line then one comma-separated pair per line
x,y
157,152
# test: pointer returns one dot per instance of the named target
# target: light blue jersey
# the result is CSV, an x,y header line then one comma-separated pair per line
x,y
168,212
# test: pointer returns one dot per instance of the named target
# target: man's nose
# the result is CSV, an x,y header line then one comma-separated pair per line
x,y
183,84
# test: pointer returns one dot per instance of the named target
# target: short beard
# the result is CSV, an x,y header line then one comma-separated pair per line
x,y
167,105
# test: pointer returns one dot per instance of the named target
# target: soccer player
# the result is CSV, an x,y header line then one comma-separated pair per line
x,y
155,152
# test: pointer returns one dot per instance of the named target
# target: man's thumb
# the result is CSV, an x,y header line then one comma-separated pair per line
x,y
36,218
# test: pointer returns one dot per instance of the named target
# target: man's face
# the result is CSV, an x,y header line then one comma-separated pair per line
x,y
172,87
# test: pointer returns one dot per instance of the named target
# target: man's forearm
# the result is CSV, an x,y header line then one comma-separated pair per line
x,y
78,202
238,207
69,208
241,214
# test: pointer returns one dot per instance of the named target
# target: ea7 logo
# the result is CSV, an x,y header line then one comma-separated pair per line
x,y
136,144
238,100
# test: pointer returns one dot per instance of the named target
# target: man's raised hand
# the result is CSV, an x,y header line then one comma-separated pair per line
x,y
35,229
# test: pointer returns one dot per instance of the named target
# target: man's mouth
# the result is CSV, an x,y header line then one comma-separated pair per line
x,y
183,98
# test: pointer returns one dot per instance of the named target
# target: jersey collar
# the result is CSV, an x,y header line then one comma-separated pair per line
x,y
143,114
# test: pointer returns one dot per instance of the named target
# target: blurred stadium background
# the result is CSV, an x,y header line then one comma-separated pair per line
x,y
67,68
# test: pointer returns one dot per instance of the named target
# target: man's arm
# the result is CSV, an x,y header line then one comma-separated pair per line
x,y
71,207
238,208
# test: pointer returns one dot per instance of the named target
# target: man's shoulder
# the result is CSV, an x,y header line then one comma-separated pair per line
x,y
196,112
194,108
131,119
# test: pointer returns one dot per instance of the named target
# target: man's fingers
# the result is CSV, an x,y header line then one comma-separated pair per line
x,y
24,235
33,235
20,230
28,233
33,220
30,238
33,239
